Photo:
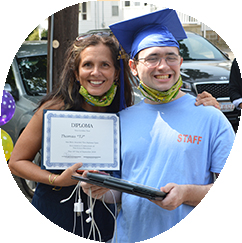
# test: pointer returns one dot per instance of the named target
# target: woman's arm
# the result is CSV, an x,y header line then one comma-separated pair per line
x,y
207,99
25,149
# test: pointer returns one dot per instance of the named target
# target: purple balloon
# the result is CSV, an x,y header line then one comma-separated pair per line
x,y
7,108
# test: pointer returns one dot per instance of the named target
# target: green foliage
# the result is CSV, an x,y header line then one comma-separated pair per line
x,y
44,34
34,35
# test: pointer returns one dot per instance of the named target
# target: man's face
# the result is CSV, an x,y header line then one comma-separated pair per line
x,y
163,76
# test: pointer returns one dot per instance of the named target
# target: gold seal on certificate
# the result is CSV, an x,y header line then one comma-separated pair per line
x,y
70,137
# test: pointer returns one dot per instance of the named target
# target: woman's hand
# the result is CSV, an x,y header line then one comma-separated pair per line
x,y
206,99
97,191
64,179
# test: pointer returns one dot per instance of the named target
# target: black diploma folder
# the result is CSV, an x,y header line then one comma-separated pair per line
x,y
121,185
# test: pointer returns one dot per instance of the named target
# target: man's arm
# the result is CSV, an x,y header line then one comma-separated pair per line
x,y
191,195
110,196
238,103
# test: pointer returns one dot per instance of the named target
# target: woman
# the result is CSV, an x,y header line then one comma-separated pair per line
x,y
86,79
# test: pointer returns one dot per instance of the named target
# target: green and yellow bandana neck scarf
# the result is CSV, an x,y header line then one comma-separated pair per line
x,y
160,96
102,101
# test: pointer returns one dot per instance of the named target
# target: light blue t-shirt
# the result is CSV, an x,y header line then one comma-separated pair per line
x,y
176,142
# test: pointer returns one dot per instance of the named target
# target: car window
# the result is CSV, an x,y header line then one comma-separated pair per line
x,y
33,73
196,47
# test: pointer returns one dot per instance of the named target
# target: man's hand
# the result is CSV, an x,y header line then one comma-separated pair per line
x,y
97,191
206,99
174,198
182,194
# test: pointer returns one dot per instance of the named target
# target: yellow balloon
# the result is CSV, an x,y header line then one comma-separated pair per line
x,y
7,144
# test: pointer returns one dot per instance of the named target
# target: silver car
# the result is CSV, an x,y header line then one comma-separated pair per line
x,y
26,81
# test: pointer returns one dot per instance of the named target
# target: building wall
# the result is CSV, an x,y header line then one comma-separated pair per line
x,y
100,14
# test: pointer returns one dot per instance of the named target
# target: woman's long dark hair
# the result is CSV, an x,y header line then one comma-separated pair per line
x,y
67,89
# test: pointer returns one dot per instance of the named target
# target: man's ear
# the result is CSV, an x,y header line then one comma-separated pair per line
x,y
132,66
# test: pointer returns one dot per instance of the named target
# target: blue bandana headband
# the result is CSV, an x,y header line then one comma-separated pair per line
x,y
150,36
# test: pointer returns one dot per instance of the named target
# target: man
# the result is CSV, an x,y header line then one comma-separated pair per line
x,y
235,88
166,141
235,85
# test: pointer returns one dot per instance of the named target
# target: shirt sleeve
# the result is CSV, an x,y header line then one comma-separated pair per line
x,y
237,102
221,145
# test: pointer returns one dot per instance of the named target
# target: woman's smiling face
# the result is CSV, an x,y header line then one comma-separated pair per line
x,y
96,72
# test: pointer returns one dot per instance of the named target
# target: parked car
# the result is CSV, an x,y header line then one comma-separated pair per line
x,y
205,67
26,81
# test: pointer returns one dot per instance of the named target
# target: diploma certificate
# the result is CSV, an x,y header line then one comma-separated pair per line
x,y
70,137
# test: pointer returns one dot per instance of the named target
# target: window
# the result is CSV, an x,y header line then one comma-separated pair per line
x,y
84,11
196,47
127,3
33,74
115,11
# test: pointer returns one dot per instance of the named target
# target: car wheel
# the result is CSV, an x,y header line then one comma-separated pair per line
x,y
28,186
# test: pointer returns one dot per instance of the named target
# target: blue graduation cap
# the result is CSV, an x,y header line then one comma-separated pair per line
x,y
160,28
